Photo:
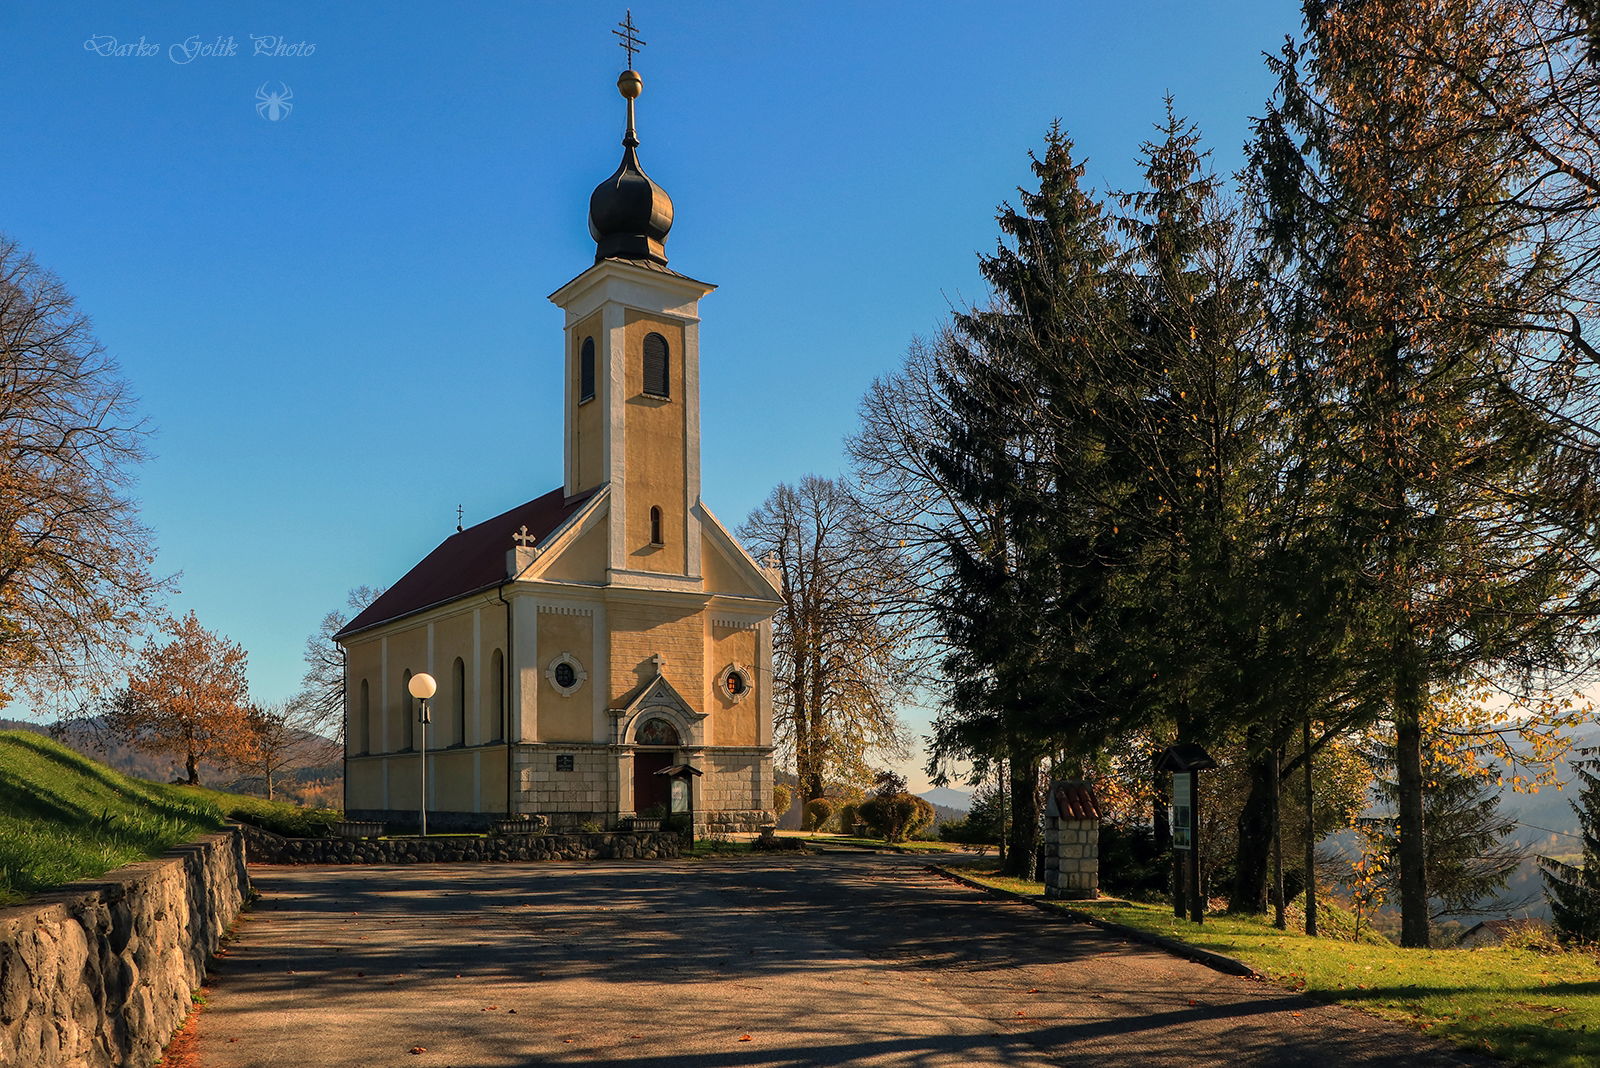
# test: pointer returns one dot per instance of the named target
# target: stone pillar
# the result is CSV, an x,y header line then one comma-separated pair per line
x,y
1072,842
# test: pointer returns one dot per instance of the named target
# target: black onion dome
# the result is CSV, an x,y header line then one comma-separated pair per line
x,y
629,215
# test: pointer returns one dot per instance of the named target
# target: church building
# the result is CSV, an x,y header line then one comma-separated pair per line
x,y
598,635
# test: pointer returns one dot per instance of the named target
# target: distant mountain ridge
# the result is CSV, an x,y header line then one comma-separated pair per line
x,y
945,797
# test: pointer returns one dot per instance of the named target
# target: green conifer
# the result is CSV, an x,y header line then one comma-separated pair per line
x,y
1574,889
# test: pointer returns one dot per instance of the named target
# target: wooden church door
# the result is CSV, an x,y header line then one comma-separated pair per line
x,y
650,789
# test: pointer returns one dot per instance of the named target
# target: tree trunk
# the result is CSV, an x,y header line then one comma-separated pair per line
x,y
1005,813
1278,903
1311,839
1408,790
192,765
1255,833
1024,815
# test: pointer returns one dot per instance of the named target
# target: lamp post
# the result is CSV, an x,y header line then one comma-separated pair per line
x,y
423,687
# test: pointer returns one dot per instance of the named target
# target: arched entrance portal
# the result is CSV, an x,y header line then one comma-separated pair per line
x,y
656,744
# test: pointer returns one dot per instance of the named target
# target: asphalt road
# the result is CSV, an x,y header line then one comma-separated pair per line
x,y
830,959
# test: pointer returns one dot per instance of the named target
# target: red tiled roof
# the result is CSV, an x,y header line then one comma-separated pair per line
x,y
468,561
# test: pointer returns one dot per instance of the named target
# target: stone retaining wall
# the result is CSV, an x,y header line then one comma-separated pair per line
x,y
101,971
268,848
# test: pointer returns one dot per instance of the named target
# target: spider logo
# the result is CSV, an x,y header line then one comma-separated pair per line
x,y
274,106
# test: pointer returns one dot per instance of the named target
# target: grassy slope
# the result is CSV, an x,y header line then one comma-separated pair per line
x,y
65,817
1529,1007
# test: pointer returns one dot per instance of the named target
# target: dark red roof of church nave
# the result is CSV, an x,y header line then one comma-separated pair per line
x,y
467,561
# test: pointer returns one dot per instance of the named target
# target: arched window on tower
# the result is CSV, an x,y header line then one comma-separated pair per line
x,y
458,701
363,724
497,666
408,711
586,371
657,376
655,527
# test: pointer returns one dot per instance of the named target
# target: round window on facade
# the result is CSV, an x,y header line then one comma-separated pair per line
x,y
566,674
735,682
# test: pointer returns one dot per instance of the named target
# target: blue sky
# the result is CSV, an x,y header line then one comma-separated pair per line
x,y
337,322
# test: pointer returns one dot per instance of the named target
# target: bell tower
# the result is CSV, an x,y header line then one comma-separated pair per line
x,y
631,383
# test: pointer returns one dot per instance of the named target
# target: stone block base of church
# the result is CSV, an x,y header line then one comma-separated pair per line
x,y
578,785
404,821
748,821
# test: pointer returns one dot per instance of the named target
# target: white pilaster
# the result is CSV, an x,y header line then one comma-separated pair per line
x,y
525,668
612,451
691,418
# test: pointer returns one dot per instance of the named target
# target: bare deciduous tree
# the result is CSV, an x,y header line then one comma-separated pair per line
x,y
279,738
319,705
839,659
75,562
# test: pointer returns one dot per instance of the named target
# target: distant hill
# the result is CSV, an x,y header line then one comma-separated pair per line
x,y
960,801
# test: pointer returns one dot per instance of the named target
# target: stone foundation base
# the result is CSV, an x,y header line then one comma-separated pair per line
x,y
268,848
747,821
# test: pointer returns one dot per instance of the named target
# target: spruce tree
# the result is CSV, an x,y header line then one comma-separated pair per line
x,y
1574,889
1406,275
1022,594
1470,856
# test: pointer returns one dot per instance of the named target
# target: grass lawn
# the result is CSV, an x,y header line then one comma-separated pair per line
x,y
1526,1006
908,846
280,817
65,817
718,847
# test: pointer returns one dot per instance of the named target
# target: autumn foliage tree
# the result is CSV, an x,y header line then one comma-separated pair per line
x,y
75,561
1410,283
186,697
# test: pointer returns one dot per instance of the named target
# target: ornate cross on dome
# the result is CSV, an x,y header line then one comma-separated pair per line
x,y
523,538
630,41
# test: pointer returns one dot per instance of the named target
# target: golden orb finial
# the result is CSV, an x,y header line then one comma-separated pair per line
x,y
629,84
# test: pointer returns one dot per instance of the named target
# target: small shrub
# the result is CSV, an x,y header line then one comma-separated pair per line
x,y
782,798
848,816
1530,935
817,813
591,827
1130,864
891,817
